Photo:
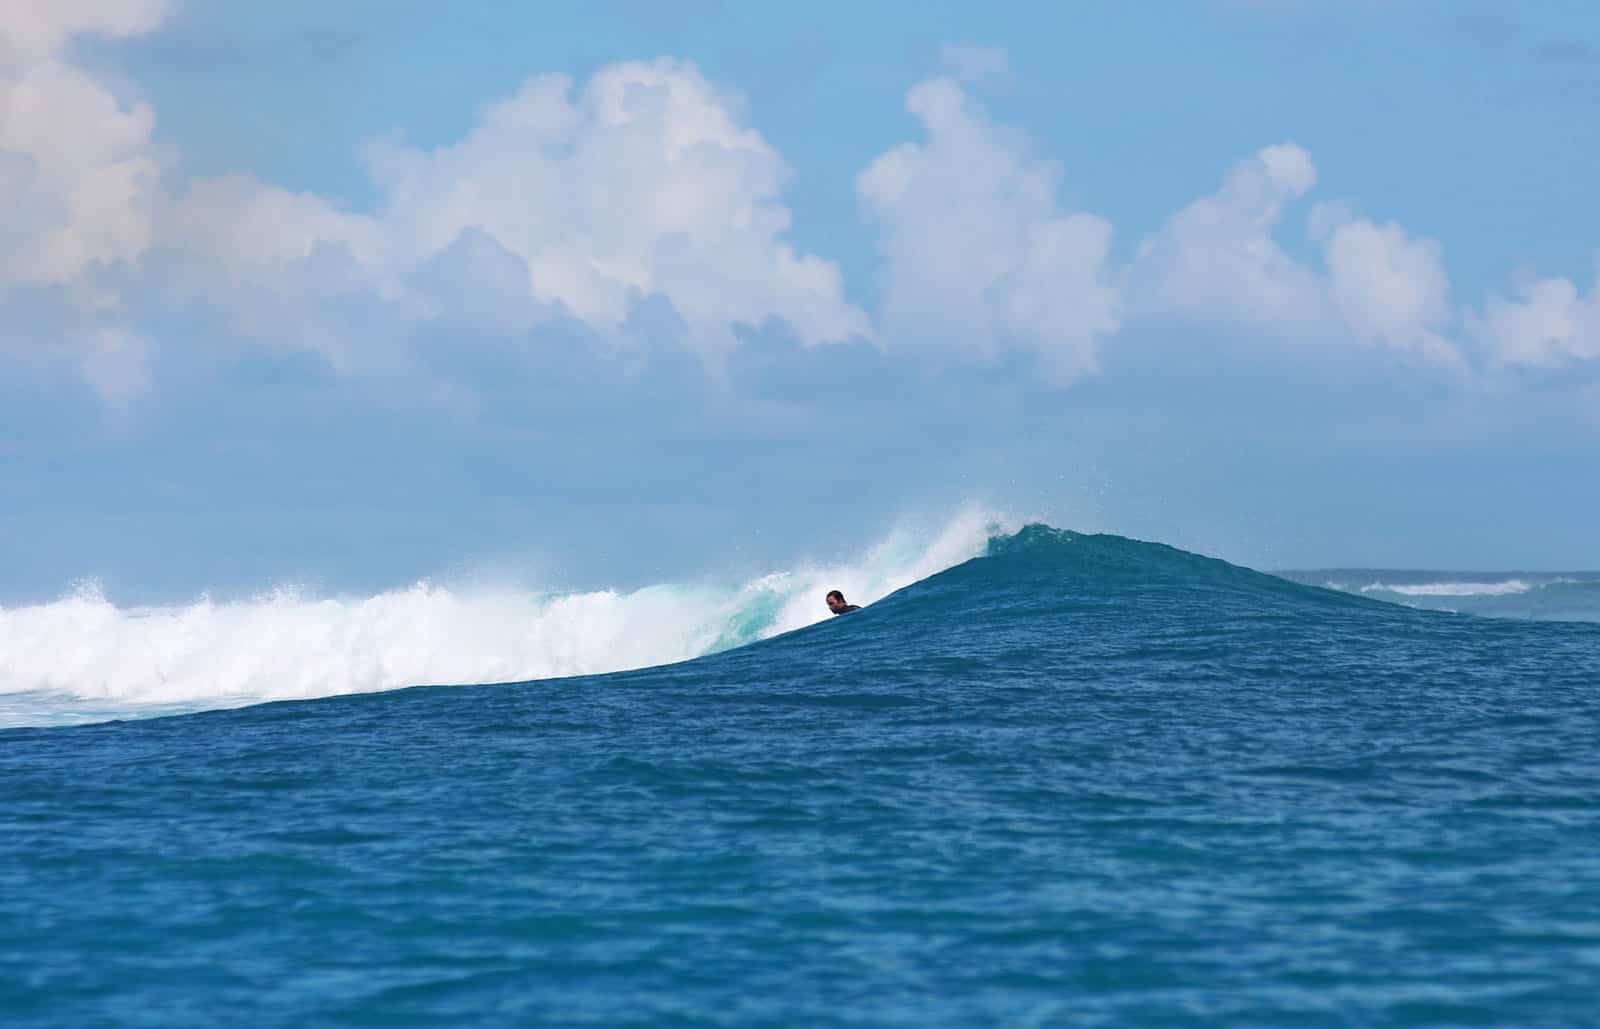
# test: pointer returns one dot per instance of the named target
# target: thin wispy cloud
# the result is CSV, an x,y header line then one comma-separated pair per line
x,y
1564,51
215,53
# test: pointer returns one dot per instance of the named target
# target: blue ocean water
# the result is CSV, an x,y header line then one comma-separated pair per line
x,y
1077,780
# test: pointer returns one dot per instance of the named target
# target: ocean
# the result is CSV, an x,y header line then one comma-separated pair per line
x,y
1043,778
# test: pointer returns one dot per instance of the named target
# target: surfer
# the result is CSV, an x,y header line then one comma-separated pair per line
x,y
837,605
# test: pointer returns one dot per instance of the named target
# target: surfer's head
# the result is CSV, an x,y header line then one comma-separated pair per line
x,y
835,601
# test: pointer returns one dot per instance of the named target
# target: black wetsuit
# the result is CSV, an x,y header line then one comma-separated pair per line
x,y
847,609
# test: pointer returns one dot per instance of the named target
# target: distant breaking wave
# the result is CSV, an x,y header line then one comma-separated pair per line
x,y
1451,589
1539,596
83,658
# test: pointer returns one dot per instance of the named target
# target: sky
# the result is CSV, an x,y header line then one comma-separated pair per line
x,y
606,294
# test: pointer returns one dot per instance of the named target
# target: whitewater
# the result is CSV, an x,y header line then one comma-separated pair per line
x,y
83,658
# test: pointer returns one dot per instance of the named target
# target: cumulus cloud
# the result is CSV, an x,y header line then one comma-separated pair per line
x,y
642,183
642,191
79,166
35,28
1217,258
1387,286
246,227
1550,323
979,254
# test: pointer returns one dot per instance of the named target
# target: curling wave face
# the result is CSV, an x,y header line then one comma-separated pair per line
x,y
83,658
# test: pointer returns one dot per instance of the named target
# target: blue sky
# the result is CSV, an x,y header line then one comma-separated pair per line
x,y
615,293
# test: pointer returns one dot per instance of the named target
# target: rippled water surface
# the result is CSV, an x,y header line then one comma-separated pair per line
x,y
1079,781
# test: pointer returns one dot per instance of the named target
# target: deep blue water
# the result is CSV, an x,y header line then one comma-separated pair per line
x,y
1082,780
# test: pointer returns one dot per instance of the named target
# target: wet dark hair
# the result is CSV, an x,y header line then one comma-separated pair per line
x,y
832,594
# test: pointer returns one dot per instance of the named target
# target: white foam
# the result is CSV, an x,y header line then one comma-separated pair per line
x,y
82,658
1452,589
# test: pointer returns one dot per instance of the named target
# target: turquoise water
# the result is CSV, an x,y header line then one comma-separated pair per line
x,y
1081,780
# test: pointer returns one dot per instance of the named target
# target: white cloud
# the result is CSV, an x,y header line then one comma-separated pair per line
x,y
979,254
246,226
588,198
1550,324
41,27
79,166
1218,258
1388,287
642,184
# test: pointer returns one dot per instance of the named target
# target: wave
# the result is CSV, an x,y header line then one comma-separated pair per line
x,y
1450,589
82,658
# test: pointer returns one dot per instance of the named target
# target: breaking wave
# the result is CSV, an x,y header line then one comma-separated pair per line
x,y
83,658
1451,589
